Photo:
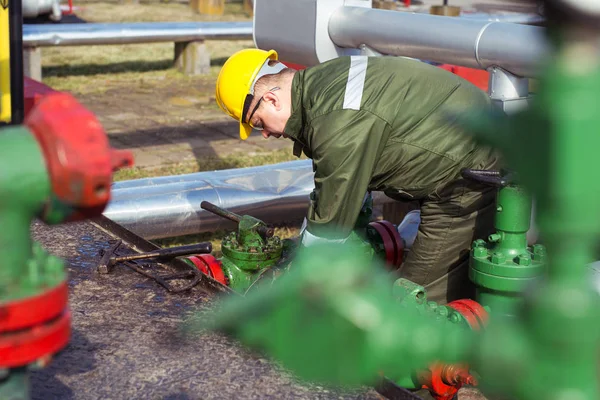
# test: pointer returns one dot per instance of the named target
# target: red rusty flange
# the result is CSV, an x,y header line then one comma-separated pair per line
x,y
444,380
209,265
392,242
472,311
27,346
32,311
79,159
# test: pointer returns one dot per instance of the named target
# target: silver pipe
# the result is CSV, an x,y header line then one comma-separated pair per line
x,y
519,49
36,8
170,206
512,18
128,33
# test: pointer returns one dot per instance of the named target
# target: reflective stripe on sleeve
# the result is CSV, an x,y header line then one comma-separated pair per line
x,y
356,82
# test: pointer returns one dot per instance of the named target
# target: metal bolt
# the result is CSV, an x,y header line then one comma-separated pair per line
x,y
539,252
478,243
524,259
443,311
539,249
498,258
454,318
55,265
480,252
494,237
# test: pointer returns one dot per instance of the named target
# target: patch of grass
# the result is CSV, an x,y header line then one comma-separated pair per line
x,y
153,11
207,164
100,68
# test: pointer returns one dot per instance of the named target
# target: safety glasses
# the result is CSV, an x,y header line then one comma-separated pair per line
x,y
247,103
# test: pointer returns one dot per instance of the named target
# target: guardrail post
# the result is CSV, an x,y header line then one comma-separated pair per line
x,y
32,63
192,58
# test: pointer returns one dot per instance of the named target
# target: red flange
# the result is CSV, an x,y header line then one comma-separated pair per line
x,y
474,313
32,311
27,346
443,380
392,242
79,159
209,265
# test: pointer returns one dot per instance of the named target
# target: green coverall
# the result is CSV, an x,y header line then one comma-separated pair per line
x,y
384,124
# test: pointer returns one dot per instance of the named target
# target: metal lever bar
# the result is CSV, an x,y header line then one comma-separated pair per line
x,y
264,231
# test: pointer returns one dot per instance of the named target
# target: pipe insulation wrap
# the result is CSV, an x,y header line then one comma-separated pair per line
x,y
170,206
519,49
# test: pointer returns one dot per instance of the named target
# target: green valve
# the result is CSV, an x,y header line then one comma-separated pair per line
x,y
505,266
247,252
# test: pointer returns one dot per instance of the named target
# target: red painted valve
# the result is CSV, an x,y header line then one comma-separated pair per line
x,y
209,265
444,380
79,159
389,238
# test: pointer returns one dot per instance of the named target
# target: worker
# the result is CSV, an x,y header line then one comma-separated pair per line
x,y
375,124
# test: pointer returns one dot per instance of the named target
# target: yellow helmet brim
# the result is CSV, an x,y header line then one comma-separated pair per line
x,y
245,131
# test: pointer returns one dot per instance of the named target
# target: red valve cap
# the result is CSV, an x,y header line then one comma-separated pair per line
x,y
78,156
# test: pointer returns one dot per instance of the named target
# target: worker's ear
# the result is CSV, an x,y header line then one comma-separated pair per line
x,y
273,99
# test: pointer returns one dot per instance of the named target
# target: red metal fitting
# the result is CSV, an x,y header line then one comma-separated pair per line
x,y
444,380
392,242
209,265
34,328
474,313
78,156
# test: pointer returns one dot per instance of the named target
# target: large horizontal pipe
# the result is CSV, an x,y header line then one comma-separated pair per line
x,y
519,49
128,33
512,17
170,206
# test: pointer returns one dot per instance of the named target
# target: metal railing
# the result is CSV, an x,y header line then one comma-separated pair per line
x,y
130,33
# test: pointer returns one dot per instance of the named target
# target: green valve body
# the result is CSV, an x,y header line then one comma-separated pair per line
x,y
25,268
504,266
246,254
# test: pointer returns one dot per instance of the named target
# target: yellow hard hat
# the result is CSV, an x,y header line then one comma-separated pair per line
x,y
235,84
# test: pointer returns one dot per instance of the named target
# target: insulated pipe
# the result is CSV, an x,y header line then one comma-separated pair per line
x,y
513,18
170,206
129,33
36,8
519,49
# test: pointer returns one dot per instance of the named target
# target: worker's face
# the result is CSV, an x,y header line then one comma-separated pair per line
x,y
272,113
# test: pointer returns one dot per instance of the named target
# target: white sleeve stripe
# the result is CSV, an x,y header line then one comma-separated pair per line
x,y
356,82
309,239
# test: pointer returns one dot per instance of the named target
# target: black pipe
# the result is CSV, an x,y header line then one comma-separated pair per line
x,y
17,95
